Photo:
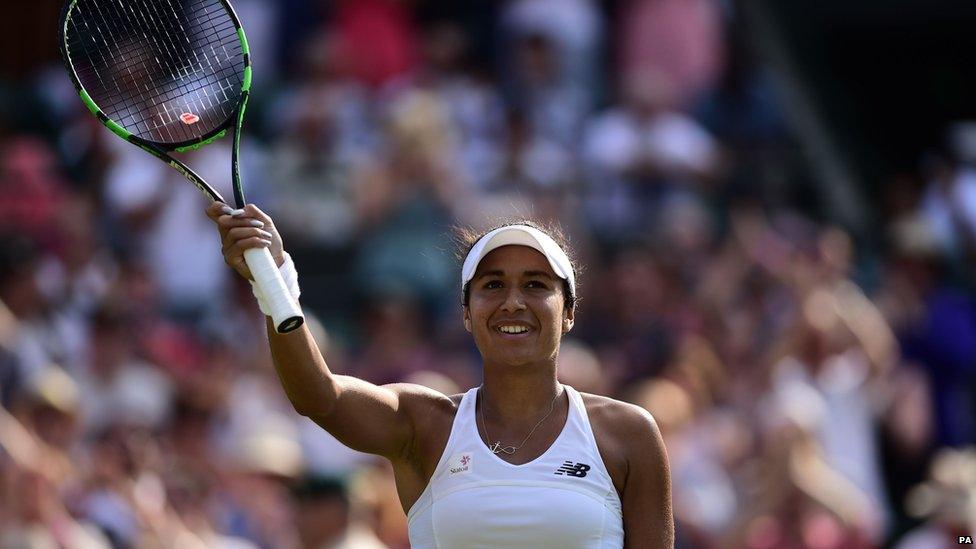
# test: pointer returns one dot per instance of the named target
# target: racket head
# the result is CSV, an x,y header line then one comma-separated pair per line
x,y
166,74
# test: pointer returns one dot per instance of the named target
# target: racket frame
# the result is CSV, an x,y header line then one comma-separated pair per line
x,y
289,316
161,150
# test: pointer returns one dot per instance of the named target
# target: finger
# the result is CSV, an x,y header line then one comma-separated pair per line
x,y
237,248
244,233
253,211
229,222
235,259
216,209
240,266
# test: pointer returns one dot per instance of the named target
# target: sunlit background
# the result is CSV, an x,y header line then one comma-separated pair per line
x,y
773,203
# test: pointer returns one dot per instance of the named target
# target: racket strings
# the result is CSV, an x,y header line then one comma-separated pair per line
x,y
166,70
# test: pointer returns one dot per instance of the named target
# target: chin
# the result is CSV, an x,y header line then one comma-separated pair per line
x,y
518,361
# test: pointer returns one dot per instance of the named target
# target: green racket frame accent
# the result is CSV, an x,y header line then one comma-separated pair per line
x,y
286,313
160,150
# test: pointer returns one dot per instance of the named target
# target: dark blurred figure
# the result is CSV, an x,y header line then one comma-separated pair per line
x,y
555,107
395,341
32,193
325,519
936,325
946,500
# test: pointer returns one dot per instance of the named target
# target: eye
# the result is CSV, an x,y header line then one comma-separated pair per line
x,y
536,284
493,284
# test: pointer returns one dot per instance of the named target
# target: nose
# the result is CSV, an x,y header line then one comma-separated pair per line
x,y
514,301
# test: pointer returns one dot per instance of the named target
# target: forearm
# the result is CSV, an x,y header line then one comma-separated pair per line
x,y
363,416
305,377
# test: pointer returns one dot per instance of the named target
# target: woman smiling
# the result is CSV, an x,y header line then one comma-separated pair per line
x,y
522,460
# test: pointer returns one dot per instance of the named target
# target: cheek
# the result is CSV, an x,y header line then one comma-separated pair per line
x,y
556,308
478,312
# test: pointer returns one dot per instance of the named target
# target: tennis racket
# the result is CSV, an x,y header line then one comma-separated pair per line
x,y
171,75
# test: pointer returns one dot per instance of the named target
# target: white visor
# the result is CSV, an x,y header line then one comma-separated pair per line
x,y
520,235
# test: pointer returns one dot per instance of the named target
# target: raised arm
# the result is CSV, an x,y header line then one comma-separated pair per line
x,y
369,418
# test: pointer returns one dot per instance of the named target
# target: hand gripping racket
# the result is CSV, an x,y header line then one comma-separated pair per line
x,y
171,75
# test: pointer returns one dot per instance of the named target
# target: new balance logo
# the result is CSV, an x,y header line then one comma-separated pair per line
x,y
573,469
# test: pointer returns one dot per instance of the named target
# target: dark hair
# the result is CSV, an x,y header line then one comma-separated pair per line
x,y
466,237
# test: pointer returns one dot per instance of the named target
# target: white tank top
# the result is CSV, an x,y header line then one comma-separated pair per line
x,y
564,498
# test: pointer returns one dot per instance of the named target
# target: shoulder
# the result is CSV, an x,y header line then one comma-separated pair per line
x,y
432,414
623,430
423,402
618,417
645,488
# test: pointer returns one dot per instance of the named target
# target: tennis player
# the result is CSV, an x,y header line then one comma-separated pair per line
x,y
521,461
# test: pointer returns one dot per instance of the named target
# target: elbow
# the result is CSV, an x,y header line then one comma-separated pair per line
x,y
313,406
301,408
313,397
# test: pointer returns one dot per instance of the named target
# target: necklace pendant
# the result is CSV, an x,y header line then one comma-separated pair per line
x,y
497,448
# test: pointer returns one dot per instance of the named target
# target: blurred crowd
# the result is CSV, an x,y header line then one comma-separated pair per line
x,y
814,388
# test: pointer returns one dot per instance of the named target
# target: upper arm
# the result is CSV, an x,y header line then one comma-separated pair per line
x,y
646,498
375,419
379,419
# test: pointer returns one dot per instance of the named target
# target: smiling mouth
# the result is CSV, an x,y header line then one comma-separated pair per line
x,y
512,330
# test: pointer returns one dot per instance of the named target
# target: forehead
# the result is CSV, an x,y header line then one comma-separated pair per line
x,y
514,259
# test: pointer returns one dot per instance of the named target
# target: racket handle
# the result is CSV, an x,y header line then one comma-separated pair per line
x,y
285,312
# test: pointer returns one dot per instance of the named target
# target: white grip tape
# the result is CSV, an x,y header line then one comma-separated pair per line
x,y
278,301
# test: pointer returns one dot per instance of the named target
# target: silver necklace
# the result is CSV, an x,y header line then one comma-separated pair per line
x,y
497,447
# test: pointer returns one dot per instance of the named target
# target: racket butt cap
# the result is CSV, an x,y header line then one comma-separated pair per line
x,y
290,325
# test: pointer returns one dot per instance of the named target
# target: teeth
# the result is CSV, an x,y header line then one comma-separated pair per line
x,y
513,329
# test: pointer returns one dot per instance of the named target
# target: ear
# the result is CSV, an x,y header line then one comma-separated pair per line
x,y
466,317
569,319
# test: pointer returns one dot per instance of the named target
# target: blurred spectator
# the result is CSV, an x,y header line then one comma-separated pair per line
x,y
324,131
473,108
555,108
580,367
949,205
704,498
34,329
936,323
947,500
642,151
32,193
159,219
379,37
121,388
532,161
569,33
395,344
325,519
682,40
404,204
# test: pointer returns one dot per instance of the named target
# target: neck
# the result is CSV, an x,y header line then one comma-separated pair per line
x,y
518,397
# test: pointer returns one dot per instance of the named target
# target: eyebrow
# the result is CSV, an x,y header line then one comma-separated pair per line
x,y
499,272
